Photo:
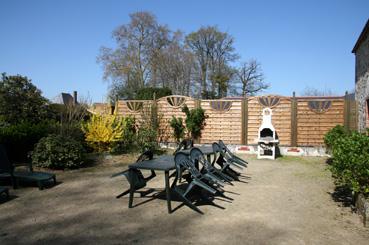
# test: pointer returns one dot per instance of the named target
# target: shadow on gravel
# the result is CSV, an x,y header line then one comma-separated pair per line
x,y
342,195
4,199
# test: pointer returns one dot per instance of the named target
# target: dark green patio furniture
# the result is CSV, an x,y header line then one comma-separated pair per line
x,y
162,163
183,162
225,162
235,158
8,170
135,176
184,145
197,156
4,190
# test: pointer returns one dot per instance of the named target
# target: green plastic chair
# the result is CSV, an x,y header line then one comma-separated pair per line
x,y
7,170
4,190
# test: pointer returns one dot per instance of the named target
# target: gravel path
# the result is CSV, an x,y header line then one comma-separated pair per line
x,y
287,201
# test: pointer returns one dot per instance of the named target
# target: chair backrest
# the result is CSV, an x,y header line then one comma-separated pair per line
x,y
216,147
222,145
225,149
5,165
184,145
183,161
196,155
147,155
188,143
220,154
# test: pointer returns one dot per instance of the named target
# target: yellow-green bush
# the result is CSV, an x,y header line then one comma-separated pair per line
x,y
101,132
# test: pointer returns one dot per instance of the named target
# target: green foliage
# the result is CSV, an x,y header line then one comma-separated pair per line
x,y
149,92
330,138
128,141
102,132
58,152
20,138
147,139
21,101
350,163
195,121
178,128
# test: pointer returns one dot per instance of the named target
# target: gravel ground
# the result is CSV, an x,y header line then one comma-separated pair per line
x,y
287,201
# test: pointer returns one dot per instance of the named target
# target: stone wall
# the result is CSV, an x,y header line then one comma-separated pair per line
x,y
362,82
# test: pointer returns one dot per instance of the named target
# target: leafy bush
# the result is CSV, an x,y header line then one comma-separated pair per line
x,y
147,139
21,101
129,137
21,138
350,163
102,132
59,152
330,138
148,93
178,128
195,121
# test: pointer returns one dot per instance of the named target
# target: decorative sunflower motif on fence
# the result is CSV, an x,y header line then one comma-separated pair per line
x,y
135,106
220,105
176,101
269,101
319,106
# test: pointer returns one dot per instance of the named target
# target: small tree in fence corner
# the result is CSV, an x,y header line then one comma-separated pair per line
x,y
195,121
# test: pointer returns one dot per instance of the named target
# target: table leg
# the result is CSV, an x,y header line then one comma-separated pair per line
x,y
131,192
167,190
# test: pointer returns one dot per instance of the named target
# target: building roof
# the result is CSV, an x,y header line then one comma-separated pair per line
x,y
362,37
64,98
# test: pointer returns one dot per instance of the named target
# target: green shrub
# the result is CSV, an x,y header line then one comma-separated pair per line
x,y
147,139
21,138
330,138
195,121
58,152
21,101
350,163
128,141
148,93
178,128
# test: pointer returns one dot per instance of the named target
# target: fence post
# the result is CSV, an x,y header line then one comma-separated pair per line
x,y
346,112
244,120
294,120
197,103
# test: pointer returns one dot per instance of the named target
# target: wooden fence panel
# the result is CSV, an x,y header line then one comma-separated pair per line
x,y
313,124
132,108
222,123
166,111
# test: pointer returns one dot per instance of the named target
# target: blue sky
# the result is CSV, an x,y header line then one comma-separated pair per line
x,y
299,43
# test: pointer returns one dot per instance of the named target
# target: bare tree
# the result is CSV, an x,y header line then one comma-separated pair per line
x,y
176,65
131,65
251,77
213,50
310,91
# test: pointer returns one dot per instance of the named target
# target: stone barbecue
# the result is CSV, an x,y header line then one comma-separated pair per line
x,y
267,137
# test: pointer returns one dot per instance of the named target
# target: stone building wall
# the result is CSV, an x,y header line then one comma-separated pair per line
x,y
362,82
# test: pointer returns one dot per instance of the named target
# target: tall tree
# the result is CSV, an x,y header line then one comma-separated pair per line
x,y
251,78
176,65
213,50
20,100
131,65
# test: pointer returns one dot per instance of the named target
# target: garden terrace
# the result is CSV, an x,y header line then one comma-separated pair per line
x,y
287,201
